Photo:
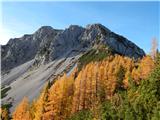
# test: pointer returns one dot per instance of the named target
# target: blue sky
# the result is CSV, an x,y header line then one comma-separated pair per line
x,y
138,21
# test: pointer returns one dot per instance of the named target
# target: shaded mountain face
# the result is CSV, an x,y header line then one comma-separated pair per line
x,y
48,44
20,50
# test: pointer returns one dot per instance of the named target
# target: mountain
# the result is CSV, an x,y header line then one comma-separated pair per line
x,y
47,44
32,60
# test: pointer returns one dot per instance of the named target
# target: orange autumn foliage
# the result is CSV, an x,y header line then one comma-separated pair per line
x,y
37,108
22,111
59,99
86,89
97,81
143,69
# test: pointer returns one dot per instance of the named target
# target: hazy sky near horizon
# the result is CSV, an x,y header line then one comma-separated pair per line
x,y
137,21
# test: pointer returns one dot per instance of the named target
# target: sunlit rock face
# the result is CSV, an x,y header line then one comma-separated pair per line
x,y
48,44
32,60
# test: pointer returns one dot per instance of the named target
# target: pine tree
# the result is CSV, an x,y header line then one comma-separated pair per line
x,y
39,104
22,111
59,99
146,66
120,75
4,114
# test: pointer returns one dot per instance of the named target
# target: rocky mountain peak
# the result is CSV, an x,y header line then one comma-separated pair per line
x,y
48,44
97,26
44,28
44,31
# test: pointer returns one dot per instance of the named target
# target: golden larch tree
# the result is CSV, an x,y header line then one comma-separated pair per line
x,y
59,99
38,105
22,111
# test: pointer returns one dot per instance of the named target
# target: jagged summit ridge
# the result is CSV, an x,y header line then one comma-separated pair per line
x,y
48,44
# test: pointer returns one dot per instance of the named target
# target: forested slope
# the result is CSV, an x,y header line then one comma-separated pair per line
x,y
113,88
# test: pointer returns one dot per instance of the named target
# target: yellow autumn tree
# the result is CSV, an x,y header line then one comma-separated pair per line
x,y
86,89
37,108
146,66
97,81
59,99
22,111
143,68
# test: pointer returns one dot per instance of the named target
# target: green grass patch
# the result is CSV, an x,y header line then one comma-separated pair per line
x,y
4,91
7,106
82,115
92,56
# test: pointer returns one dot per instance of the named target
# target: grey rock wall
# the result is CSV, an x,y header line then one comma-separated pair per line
x,y
48,44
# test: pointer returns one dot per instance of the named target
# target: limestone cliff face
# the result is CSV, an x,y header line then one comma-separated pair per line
x,y
20,50
48,44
